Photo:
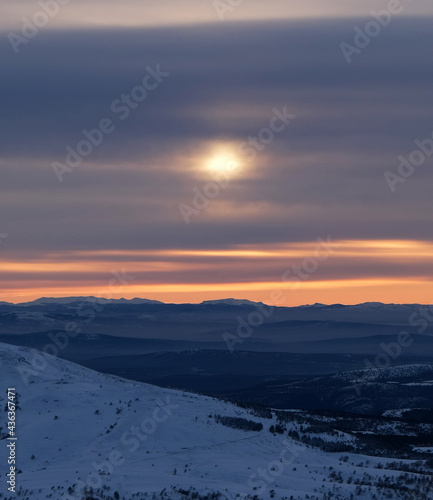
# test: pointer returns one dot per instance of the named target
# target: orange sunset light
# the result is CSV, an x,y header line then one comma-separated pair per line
x,y
305,272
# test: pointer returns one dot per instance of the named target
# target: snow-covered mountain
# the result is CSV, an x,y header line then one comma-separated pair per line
x,y
99,300
80,431
231,302
377,306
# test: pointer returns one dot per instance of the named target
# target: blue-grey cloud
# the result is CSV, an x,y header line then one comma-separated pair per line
x,y
322,175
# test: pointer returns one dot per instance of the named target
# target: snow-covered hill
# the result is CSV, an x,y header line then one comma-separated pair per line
x,y
80,429
99,300
391,374
231,302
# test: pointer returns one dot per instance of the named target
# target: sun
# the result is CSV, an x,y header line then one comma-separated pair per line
x,y
222,163
219,159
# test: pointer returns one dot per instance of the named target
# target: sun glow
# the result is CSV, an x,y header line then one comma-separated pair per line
x,y
223,163
221,158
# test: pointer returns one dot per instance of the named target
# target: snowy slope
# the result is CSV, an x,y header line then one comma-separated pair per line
x,y
74,423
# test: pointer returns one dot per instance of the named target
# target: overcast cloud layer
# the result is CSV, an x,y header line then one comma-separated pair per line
x,y
103,13
323,175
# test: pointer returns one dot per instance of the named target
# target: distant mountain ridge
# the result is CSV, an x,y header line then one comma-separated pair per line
x,y
256,326
70,300
223,301
232,302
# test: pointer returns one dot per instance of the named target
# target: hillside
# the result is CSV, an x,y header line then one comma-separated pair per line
x,y
79,428
368,391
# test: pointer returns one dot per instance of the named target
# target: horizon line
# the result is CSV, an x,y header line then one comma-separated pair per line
x,y
3,302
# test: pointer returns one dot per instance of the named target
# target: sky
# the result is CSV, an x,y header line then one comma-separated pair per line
x,y
194,150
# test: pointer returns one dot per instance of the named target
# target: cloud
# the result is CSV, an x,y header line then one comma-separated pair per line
x,y
322,175
129,13
64,82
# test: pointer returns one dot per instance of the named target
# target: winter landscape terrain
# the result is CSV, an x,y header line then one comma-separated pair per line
x,y
219,423
215,250
82,434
